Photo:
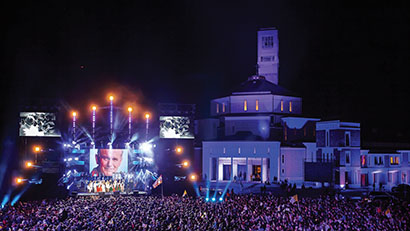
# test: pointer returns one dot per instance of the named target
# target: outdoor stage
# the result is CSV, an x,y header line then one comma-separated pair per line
x,y
132,193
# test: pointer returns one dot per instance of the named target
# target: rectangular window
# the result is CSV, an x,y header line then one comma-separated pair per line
x,y
304,131
267,42
283,159
281,105
217,107
327,138
394,160
245,105
257,105
290,106
347,157
363,160
286,133
347,139
376,161
223,107
380,160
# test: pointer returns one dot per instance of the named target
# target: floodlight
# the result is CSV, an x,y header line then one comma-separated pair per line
x,y
37,148
146,147
193,177
179,149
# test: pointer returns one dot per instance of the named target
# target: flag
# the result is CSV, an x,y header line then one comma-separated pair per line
x,y
387,213
294,199
157,182
185,193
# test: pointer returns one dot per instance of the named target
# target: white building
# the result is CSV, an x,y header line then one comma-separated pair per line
x,y
258,134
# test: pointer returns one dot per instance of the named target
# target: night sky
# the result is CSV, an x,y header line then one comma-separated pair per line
x,y
346,63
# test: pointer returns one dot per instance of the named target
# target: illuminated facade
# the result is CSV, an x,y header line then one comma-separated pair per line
x,y
258,134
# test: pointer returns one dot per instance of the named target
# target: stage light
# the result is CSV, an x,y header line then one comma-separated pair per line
x,y
185,163
179,149
74,142
74,114
37,148
146,147
193,177
76,158
19,180
70,159
213,199
129,109
220,199
94,108
147,115
111,97
65,159
29,164
207,199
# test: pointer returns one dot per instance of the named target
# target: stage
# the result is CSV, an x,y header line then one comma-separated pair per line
x,y
133,193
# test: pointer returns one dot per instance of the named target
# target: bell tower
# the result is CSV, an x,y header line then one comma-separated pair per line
x,y
268,54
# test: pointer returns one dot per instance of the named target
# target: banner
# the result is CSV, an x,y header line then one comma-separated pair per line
x,y
157,182
294,199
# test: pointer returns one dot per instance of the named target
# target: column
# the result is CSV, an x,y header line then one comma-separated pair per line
x,y
247,175
262,170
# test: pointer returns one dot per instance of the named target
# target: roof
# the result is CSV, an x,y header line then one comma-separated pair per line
x,y
261,85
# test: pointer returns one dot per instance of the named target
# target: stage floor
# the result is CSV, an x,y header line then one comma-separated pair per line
x,y
110,193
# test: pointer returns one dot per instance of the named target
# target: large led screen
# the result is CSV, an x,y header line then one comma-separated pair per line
x,y
176,127
38,124
106,162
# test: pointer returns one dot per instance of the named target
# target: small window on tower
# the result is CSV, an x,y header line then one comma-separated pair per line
x,y
267,42
245,105
257,105
290,106
217,107
223,107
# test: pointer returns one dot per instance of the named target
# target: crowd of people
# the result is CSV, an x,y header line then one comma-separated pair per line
x,y
236,212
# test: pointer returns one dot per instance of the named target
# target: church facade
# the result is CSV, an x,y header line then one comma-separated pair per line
x,y
258,133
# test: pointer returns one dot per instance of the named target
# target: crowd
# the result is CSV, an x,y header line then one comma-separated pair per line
x,y
236,212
